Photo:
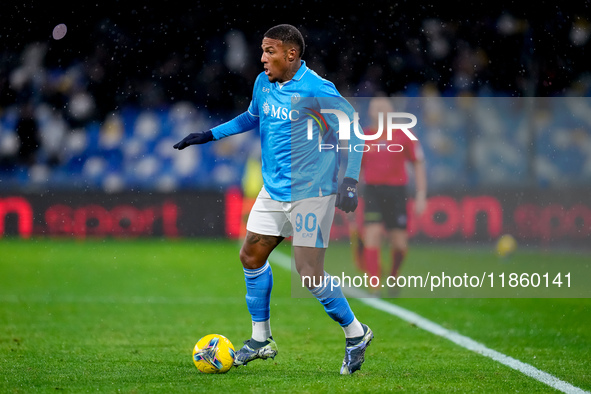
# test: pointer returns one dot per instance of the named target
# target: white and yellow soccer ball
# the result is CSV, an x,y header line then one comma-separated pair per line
x,y
506,245
214,353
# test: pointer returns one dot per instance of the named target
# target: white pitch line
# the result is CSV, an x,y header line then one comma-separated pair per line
x,y
284,261
471,344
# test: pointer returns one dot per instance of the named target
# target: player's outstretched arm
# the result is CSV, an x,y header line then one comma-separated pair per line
x,y
239,124
201,137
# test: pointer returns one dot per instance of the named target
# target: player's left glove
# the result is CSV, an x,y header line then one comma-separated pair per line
x,y
347,195
193,139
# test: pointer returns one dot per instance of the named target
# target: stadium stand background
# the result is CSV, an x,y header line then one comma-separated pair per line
x,y
99,110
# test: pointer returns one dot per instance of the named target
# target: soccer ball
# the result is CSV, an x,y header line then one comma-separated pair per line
x,y
506,245
214,354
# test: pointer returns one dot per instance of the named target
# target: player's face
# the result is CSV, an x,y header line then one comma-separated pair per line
x,y
276,60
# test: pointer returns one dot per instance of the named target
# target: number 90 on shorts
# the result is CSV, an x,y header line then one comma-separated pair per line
x,y
309,220
307,225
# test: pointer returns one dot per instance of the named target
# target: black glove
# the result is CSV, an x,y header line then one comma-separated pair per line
x,y
347,195
194,138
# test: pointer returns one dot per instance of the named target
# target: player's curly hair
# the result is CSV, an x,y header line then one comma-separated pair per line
x,y
289,35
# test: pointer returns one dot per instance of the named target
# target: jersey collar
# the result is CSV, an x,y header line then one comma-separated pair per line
x,y
301,71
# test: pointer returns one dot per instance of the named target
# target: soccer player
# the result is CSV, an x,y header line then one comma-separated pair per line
x,y
300,192
385,180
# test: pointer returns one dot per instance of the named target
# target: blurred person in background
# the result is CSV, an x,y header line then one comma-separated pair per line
x,y
27,132
385,180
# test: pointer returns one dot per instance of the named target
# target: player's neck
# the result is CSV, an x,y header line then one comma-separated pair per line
x,y
291,72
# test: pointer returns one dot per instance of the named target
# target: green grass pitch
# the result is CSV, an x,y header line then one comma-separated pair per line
x,y
123,316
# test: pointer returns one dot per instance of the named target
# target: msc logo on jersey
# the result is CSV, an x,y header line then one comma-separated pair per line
x,y
278,112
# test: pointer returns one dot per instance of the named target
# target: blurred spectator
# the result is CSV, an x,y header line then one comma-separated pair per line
x,y
27,131
152,58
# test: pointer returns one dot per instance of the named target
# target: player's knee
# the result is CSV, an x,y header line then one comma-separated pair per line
x,y
245,259
310,275
250,260
305,271
399,248
399,242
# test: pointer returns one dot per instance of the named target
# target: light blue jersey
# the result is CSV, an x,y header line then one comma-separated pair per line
x,y
292,165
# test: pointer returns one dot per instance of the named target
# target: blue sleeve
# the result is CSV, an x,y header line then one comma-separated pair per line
x,y
354,157
243,122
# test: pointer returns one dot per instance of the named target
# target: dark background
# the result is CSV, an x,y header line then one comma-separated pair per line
x,y
136,58
363,47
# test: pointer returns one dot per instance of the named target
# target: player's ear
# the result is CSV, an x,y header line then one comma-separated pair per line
x,y
292,54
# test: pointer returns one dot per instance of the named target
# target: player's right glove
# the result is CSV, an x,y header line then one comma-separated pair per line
x,y
193,139
347,195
